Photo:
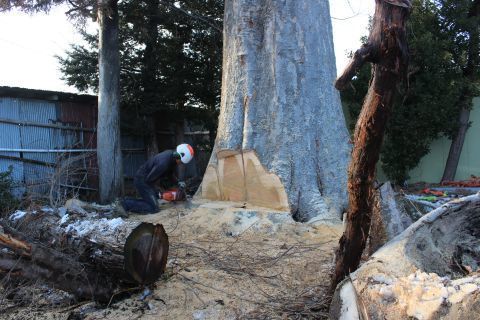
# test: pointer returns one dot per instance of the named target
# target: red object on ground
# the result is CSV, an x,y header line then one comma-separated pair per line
x,y
173,195
433,192
473,182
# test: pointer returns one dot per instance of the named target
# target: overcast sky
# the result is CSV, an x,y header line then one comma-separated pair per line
x,y
28,44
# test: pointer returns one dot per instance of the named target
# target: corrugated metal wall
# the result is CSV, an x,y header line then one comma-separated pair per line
x,y
10,138
34,172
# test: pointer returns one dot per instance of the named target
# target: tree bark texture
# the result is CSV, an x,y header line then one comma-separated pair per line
x,y
282,141
87,267
150,71
387,49
465,103
108,131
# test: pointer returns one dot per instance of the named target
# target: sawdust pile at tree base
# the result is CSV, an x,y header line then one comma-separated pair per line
x,y
228,261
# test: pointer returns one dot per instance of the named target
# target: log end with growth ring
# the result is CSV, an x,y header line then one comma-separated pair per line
x,y
146,252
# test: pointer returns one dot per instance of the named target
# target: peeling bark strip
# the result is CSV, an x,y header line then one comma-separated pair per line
x,y
278,102
387,49
108,130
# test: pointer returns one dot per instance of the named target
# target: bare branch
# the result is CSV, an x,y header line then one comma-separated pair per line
x,y
362,55
191,15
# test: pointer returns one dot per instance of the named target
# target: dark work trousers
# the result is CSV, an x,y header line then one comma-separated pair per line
x,y
148,203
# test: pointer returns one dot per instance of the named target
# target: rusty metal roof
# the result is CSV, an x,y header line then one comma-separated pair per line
x,y
15,92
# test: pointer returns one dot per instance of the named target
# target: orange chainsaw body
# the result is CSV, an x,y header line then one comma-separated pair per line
x,y
173,195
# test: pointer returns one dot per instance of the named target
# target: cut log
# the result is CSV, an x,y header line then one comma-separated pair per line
x,y
89,258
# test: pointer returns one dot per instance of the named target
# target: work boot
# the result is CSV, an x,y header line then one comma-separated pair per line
x,y
118,210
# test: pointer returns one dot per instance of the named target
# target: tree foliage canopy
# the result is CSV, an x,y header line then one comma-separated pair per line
x,y
426,107
170,59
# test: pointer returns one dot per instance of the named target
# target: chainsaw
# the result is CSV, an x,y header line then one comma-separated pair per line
x,y
173,194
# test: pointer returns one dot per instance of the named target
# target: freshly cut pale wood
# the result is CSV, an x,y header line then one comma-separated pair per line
x,y
241,177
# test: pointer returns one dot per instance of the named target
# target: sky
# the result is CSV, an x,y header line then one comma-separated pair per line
x,y
29,43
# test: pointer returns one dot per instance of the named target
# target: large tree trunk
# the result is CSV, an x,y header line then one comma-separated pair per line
x,y
108,131
387,49
89,266
282,140
470,73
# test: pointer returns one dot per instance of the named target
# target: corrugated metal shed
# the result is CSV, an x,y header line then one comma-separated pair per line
x,y
46,120
10,138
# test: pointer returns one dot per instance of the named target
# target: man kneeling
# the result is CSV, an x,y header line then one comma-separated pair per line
x,y
163,165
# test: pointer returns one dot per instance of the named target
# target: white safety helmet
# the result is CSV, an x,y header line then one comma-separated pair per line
x,y
186,152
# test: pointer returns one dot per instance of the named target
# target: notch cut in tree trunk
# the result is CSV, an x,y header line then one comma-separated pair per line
x,y
281,141
87,268
387,49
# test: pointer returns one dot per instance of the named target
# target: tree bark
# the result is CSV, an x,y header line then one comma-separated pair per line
x,y
282,141
387,49
470,73
108,131
149,77
457,143
88,268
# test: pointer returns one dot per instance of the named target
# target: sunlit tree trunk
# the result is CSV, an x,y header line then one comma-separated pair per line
x,y
282,141
108,131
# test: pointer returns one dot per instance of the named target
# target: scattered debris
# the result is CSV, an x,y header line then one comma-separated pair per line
x,y
17,215
473,182
226,261
428,272
105,227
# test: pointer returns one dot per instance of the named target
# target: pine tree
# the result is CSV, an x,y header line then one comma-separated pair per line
x,y
173,74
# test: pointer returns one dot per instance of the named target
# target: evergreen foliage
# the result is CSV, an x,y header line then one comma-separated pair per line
x,y
426,107
170,61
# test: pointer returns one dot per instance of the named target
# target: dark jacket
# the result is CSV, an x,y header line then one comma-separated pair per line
x,y
161,165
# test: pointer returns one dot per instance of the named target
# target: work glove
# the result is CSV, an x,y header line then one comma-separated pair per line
x,y
182,185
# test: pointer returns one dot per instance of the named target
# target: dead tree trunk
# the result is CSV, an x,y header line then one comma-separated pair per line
x,y
282,141
387,49
108,131
85,267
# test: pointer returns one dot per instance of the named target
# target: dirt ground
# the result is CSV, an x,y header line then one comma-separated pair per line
x,y
226,261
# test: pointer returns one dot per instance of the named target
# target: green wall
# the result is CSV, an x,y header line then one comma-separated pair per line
x,y
430,168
